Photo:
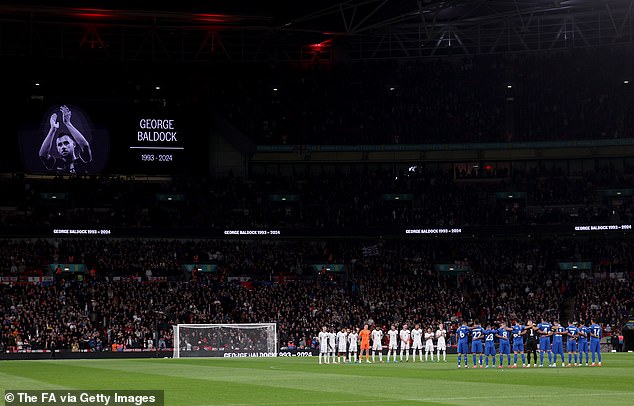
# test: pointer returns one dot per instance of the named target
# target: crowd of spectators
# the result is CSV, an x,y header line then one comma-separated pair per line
x,y
364,198
117,308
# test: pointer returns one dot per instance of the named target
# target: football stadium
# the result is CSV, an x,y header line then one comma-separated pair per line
x,y
317,203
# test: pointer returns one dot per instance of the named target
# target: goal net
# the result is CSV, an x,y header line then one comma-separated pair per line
x,y
225,340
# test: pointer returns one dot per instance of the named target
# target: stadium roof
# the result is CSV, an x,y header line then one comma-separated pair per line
x,y
299,30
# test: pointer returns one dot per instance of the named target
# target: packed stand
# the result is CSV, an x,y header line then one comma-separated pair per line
x,y
260,282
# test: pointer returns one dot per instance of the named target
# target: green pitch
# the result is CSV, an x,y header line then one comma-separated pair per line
x,y
301,381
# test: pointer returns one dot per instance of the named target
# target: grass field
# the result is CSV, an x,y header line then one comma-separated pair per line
x,y
302,381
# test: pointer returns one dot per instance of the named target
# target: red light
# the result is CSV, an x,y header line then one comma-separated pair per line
x,y
92,13
213,18
320,45
488,167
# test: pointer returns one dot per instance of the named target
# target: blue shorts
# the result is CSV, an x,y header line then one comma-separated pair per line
x,y
489,348
518,346
476,347
558,347
544,344
595,346
463,348
583,346
505,347
571,346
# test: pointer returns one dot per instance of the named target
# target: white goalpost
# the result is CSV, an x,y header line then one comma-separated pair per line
x,y
225,340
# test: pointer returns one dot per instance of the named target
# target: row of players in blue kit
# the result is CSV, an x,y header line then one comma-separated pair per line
x,y
483,343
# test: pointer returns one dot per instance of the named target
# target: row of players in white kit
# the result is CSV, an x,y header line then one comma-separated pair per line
x,y
344,345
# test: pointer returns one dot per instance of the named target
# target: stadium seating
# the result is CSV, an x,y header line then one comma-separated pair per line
x,y
122,304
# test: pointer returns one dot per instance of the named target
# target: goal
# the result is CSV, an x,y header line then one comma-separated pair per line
x,y
225,340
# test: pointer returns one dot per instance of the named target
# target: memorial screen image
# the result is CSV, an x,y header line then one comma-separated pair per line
x,y
64,142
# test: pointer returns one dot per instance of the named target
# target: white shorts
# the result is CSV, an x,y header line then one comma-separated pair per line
x,y
417,345
323,350
377,347
331,349
353,348
441,346
404,345
393,346
429,347
342,348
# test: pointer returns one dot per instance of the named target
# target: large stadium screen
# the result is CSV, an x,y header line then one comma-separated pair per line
x,y
107,136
